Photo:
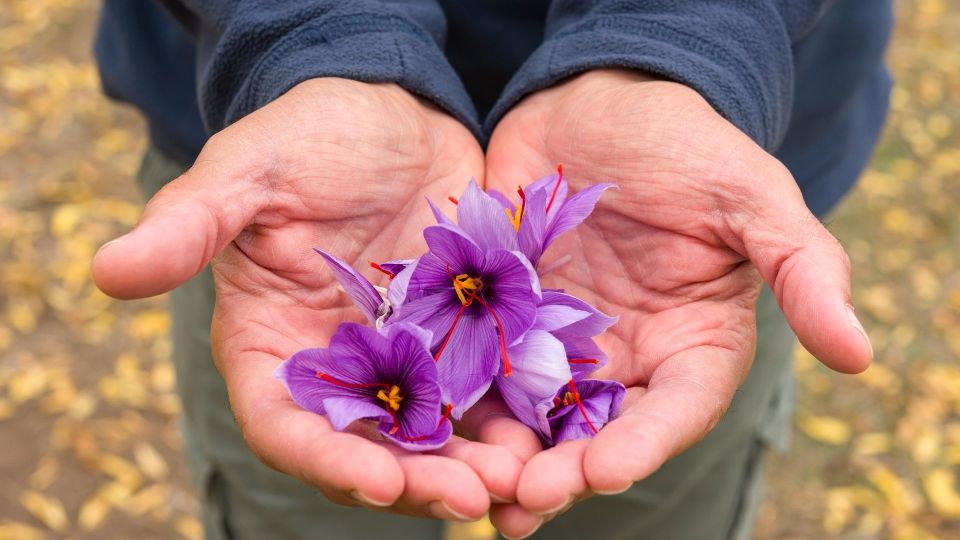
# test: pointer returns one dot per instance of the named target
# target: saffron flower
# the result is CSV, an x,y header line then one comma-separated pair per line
x,y
476,302
388,377
574,323
545,212
539,368
581,408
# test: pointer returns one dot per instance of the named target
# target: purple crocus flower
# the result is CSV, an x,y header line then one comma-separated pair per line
x,y
580,409
539,368
475,301
390,377
558,347
574,323
544,213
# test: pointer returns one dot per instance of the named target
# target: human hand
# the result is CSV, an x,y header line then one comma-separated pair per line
x,y
678,253
343,166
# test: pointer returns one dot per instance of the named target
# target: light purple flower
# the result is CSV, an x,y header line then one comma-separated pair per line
x,y
545,212
389,377
475,301
581,409
574,323
364,295
539,368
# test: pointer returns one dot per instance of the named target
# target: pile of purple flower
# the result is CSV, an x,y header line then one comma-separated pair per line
x,y
467,317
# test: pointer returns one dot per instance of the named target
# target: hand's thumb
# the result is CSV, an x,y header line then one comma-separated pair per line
x,y
183,226
809,273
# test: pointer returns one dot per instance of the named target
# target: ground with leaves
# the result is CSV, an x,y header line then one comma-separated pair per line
x,y
87,405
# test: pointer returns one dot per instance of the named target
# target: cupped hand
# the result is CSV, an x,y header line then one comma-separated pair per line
x,y
343,166
702,215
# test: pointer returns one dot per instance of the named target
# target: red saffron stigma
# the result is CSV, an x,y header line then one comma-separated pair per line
x,y
453,199
503,339
523,201
376,266
446,414
583,411
556,187
338,382
583,361
446,339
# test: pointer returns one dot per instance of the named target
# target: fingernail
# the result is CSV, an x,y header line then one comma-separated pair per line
x,y
498,500
116,240
527,535
559,508
440,510
363,499
612,491
855,323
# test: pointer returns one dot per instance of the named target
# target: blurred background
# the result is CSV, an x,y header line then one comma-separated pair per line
x,y
88,415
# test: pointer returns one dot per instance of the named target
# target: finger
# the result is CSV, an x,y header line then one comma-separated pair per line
x,y
553,479
809,272
684,400
496,466
490,421
344,466
513,521
183,226
440,487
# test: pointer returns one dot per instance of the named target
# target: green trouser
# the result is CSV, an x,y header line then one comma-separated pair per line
x,y
708,492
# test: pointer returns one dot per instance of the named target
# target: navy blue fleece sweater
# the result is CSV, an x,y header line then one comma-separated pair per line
x,y
803,78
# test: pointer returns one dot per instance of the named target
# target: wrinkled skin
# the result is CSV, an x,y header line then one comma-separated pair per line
x,y
678,252
343,166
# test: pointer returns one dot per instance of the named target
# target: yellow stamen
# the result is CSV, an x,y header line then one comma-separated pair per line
x,y
568,398
392,399
515,217
462,283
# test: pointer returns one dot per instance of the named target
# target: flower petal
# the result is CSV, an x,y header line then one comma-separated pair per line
x,y
539,366
343,411
454,251
438,214
361,291
514,291
397,292
434,440
582,348
533,226
469,361
573,211
483,218
595,324
299,374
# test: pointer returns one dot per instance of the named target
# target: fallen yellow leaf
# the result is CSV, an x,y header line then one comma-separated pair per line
x,y
48,510
825,429
942,492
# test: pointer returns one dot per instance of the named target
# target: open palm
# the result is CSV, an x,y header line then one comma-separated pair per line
x,y
678,253
334,164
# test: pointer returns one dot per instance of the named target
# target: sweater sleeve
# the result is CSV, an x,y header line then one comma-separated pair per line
x,y
736,53
250,51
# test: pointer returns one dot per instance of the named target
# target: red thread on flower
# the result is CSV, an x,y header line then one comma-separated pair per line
x,y
338,382
453,199
576,397
556,186
583,361
503,338
376,266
